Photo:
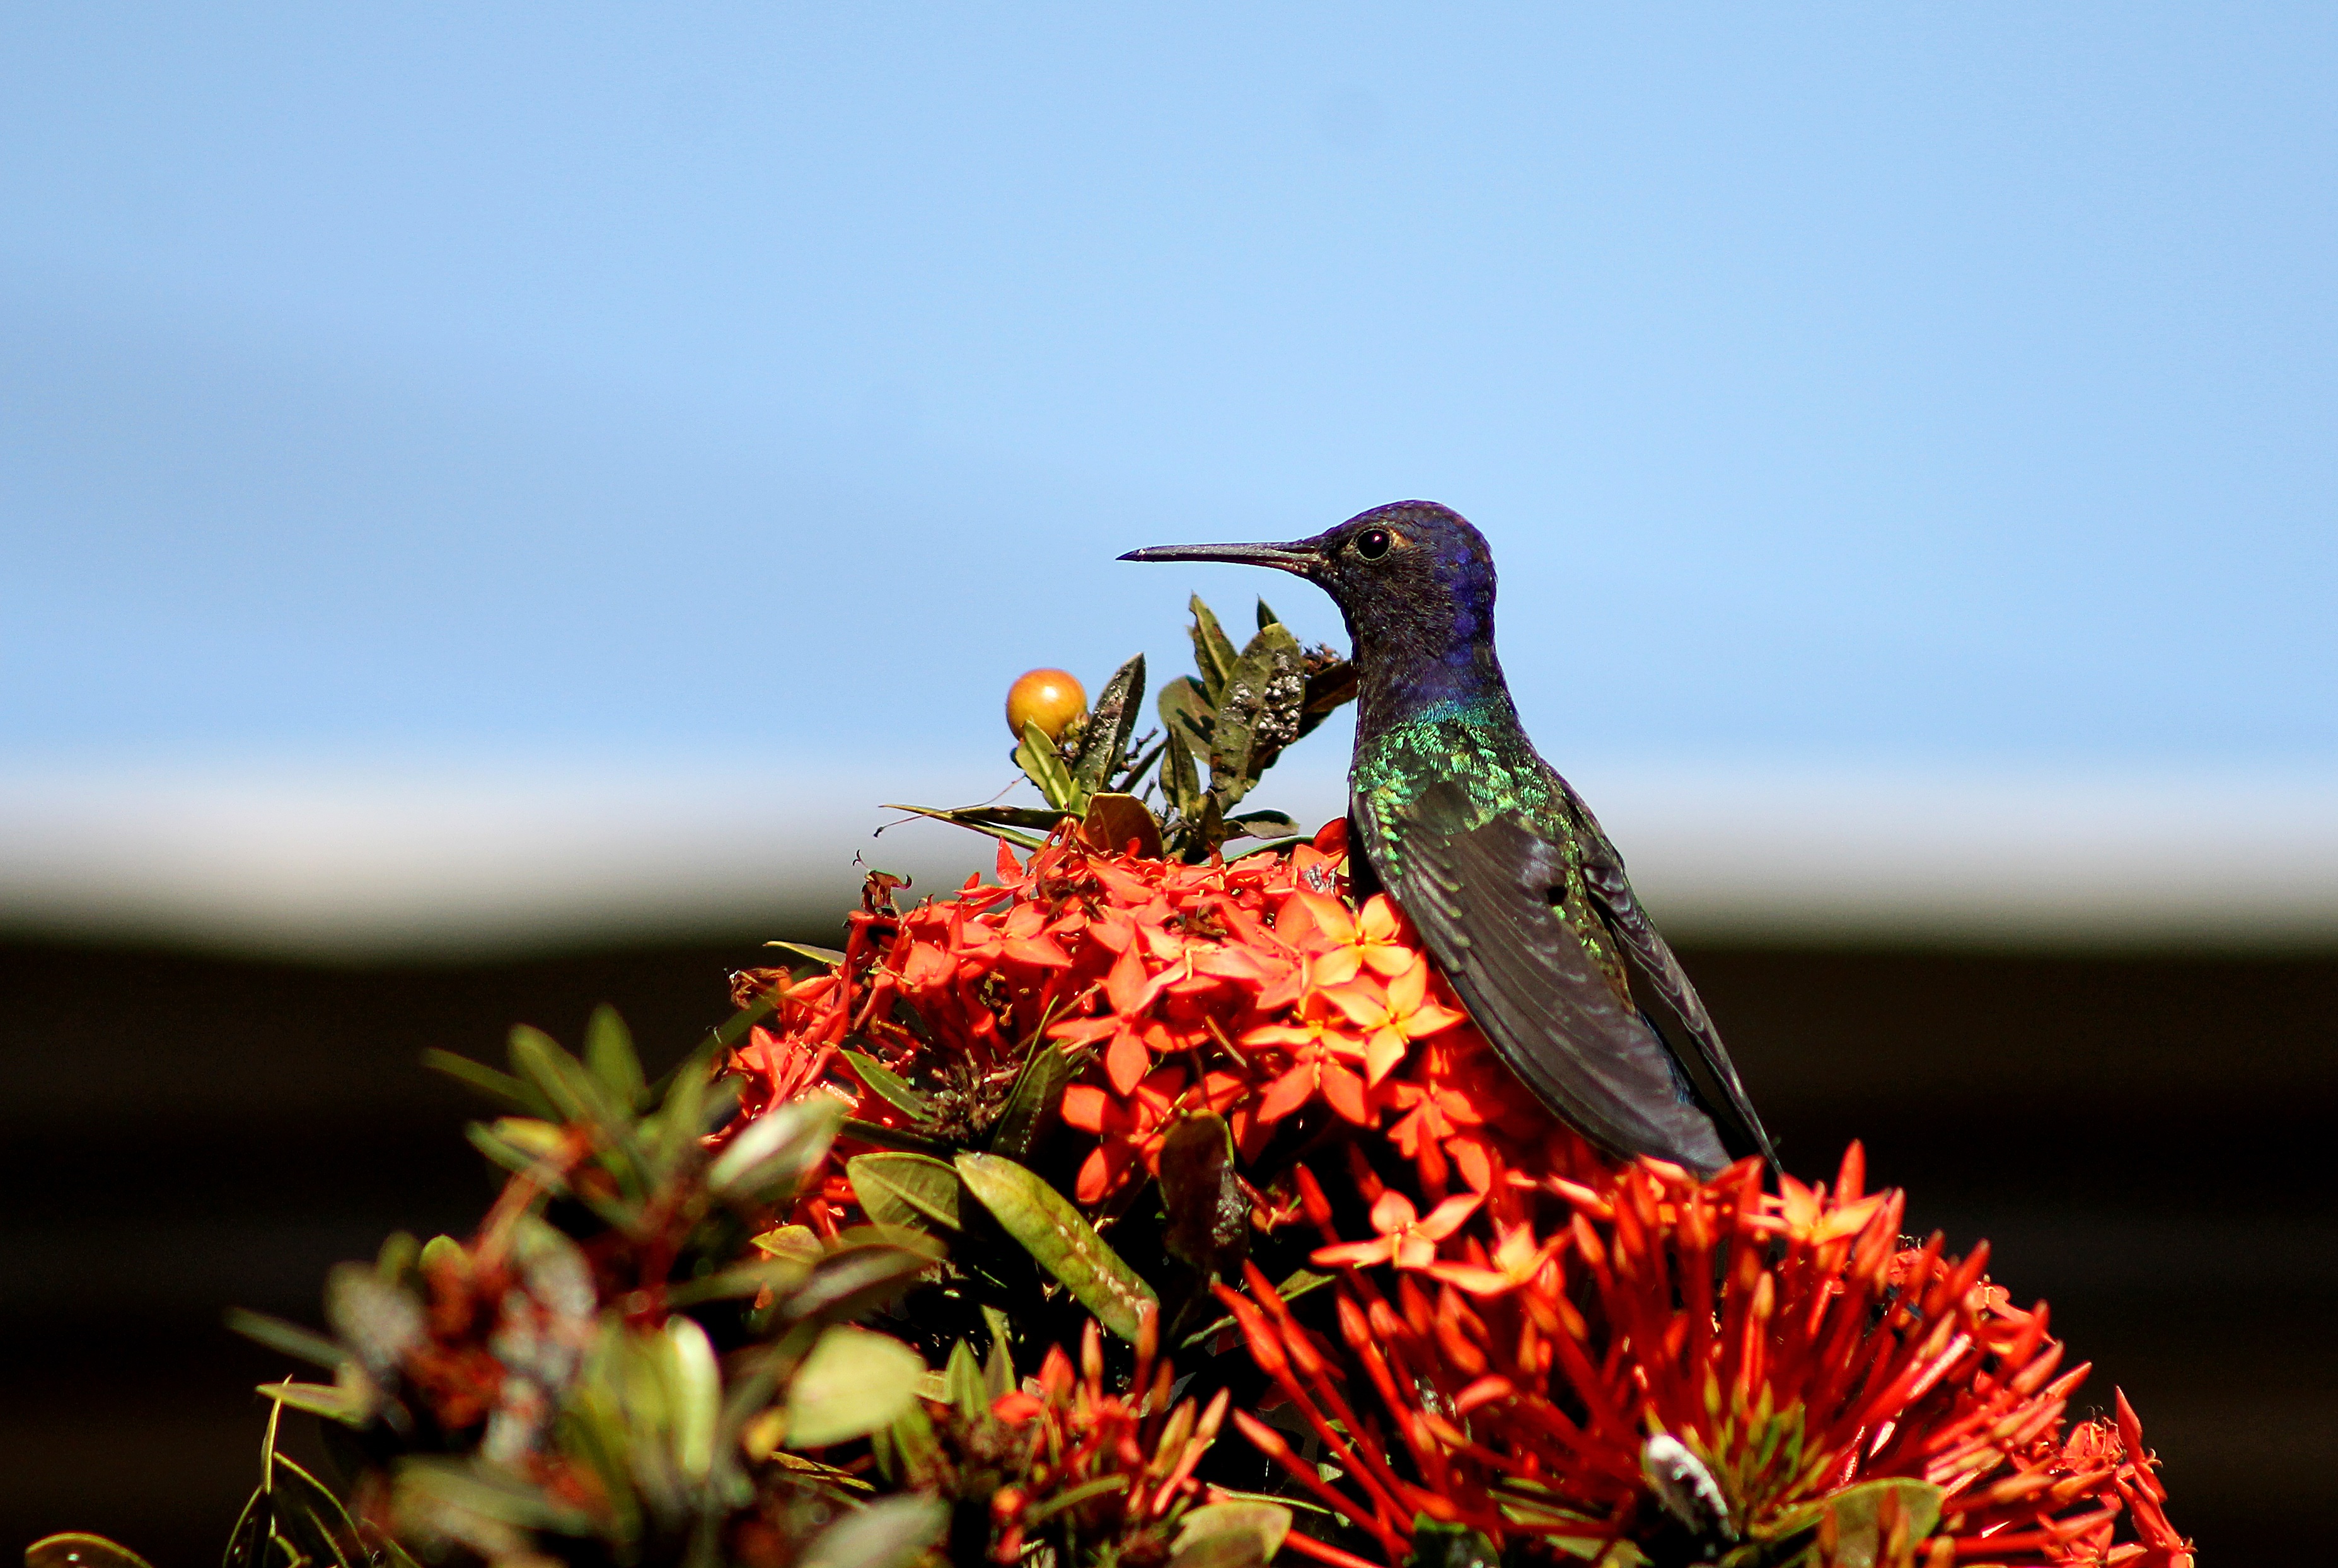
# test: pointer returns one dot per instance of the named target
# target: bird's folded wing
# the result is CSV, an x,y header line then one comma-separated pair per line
x,y
1653,957
1480,892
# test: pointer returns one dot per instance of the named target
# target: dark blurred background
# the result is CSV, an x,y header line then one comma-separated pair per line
x,y
2144,1138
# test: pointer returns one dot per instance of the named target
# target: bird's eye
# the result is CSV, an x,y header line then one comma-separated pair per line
x,y
1372,543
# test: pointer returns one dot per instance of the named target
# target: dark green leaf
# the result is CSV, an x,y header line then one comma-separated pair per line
x,y
962,817
1111,721
1072,1497
1258,712
1031,1102
1055,1233
902,1189
288,1337
513,1092
1267,617
886,1137
889,1086
1213,652
1208,1216
609,1056
870,1265
1298,1283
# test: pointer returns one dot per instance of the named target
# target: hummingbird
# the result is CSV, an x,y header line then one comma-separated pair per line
x,y
1494,857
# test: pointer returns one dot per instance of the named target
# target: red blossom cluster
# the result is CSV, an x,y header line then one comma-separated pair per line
x,y
1102,1462
1525,1316
1788,1340
1248,988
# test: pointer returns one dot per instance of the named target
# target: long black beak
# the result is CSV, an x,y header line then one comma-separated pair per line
x,y
1299,558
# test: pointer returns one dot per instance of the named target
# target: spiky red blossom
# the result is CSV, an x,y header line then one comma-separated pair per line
x,y
1788,1340
1249,988
1523,1315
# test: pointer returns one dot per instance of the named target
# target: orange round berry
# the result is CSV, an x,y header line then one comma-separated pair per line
x,y
1051,699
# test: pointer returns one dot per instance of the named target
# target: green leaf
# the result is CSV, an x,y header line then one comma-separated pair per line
x,y
1111,721
1436,1544
889,1086
1209,1216
1230,1533
962,1383
693,1394
288,1337
1030,1104
1261,824
901,1189
1037,759
74,1549
1114,819
609,1056
578,1097
886,1137
964,816
1072,1497
1213,652
350,1407
1859,1523
513,1092
891,1532
1267,617
853,1382
1055,1233
828,956
1298,1283
1258,712
742,1279
870,1265
775,1149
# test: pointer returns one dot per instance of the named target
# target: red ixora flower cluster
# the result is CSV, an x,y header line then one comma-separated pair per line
x,y
1248,988
1788,1341
1526,1315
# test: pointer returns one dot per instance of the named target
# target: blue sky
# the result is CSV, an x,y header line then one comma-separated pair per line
x,y
1906,384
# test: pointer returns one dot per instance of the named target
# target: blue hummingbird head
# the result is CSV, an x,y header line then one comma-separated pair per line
x,y
1415,583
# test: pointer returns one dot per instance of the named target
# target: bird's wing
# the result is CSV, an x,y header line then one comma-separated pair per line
x,y
1480,888
1652,957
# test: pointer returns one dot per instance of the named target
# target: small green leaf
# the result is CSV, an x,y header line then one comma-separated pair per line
x,y
1055,1233
1859,1523
853,1382
1230,1533
513,1092
902,1189
774,1149
1298,1283
889,1086
1213,652
891,1532
609,1056
1115,820
1037,759
1267,617
1111,721
350,1407
828,956
962,1383
964,816
75,1550
1031,1102
870,1265
288,1337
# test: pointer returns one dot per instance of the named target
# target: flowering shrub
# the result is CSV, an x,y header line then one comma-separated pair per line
x,y
1339,1286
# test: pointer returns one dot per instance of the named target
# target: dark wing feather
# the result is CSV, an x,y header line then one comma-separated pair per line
x,y
1715,1076
1480,892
